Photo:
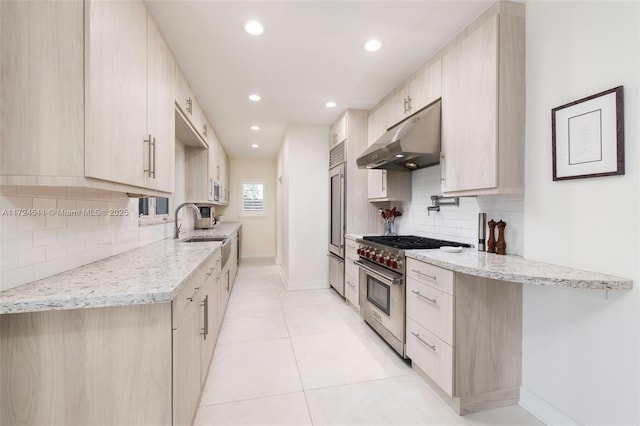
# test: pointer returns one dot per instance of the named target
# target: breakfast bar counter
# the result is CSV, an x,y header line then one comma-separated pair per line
x,y
519,270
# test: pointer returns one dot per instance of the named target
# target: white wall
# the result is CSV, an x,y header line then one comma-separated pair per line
x,y
303,166
35,247
581,348
458,223
258,233
48,243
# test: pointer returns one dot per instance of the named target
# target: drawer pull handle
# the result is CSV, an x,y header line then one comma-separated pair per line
x,y
417,336
417,293
433,277
195,291
352,285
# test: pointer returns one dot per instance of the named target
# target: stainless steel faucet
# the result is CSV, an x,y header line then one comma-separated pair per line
x,y
176,229
437,201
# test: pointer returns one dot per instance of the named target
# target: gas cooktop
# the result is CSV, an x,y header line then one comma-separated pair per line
x,y
411,242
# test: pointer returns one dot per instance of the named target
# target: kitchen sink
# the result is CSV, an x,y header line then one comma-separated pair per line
x,y
204,239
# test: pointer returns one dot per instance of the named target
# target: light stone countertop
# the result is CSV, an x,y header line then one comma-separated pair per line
x,y
519,270
153,273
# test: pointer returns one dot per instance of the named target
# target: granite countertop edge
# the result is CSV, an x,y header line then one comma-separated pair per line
x,y
153,273
519,270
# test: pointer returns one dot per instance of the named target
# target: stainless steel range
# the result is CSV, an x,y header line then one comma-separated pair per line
x,y
382,282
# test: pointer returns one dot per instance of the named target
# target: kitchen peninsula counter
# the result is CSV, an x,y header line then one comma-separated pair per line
x,y
519,270
153,273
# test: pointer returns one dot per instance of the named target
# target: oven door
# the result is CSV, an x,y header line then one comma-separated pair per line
x,y
382,302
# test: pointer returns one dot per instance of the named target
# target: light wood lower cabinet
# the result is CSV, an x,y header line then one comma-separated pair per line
x,y
100,366
464,335
351,275
125,365
187,353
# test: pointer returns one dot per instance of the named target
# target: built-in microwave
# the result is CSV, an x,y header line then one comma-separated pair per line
x,y
215,190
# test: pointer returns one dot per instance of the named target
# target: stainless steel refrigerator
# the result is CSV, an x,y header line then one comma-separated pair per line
x,y
336,218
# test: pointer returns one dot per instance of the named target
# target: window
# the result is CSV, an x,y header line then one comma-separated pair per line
x,y
252,198
162,206
149,208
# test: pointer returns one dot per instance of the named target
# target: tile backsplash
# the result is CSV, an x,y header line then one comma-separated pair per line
x,y
45,231
458,223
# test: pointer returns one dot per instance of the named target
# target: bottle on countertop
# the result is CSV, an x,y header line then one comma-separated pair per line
x,y
482,231
501,245
491,242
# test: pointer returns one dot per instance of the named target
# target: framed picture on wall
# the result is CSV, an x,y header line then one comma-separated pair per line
x,y
588,136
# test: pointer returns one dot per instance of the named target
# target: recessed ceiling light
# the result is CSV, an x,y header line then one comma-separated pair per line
x,y
254,27
330,104
255,145
254,127
254,97
372,45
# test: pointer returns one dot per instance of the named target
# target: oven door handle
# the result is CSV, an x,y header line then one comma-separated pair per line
x,y
378,274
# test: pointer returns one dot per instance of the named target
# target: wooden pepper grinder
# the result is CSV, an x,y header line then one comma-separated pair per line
x,y
491,241
501,246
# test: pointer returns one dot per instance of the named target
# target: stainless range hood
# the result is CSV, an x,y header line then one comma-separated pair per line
x,y
412,144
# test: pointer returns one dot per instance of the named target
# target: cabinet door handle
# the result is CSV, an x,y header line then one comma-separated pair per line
x,y
148,169
195,291
352,285
189,105
204,129
383,181
417,293
205,329
409,104
417,336
433,277
406,102
153,173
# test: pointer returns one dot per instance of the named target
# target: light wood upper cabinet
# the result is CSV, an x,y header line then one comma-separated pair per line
x,y
189,106
184,94
116,143
338,131
425,87
384,185
483,110
93,79
398,106
42,86
376,124
160,109
416,93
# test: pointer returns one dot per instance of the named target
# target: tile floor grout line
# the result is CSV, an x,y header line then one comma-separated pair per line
x,y
248,399
304,393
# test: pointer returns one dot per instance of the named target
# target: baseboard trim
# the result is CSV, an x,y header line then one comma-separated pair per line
x,y
307,285
542,410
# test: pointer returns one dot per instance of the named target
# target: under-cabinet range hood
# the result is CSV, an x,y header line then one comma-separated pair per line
x,y
412,144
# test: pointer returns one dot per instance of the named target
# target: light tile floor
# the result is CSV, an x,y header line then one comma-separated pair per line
x,y
305,358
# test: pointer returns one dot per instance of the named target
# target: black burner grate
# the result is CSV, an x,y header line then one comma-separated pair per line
x,y
411,242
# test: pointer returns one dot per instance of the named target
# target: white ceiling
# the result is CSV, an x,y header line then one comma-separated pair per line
x,y
310,52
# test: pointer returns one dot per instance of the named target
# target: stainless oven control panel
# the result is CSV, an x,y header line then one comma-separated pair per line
x,y
381,257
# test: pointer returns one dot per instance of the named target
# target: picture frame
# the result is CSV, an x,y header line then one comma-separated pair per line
x,y
588,136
